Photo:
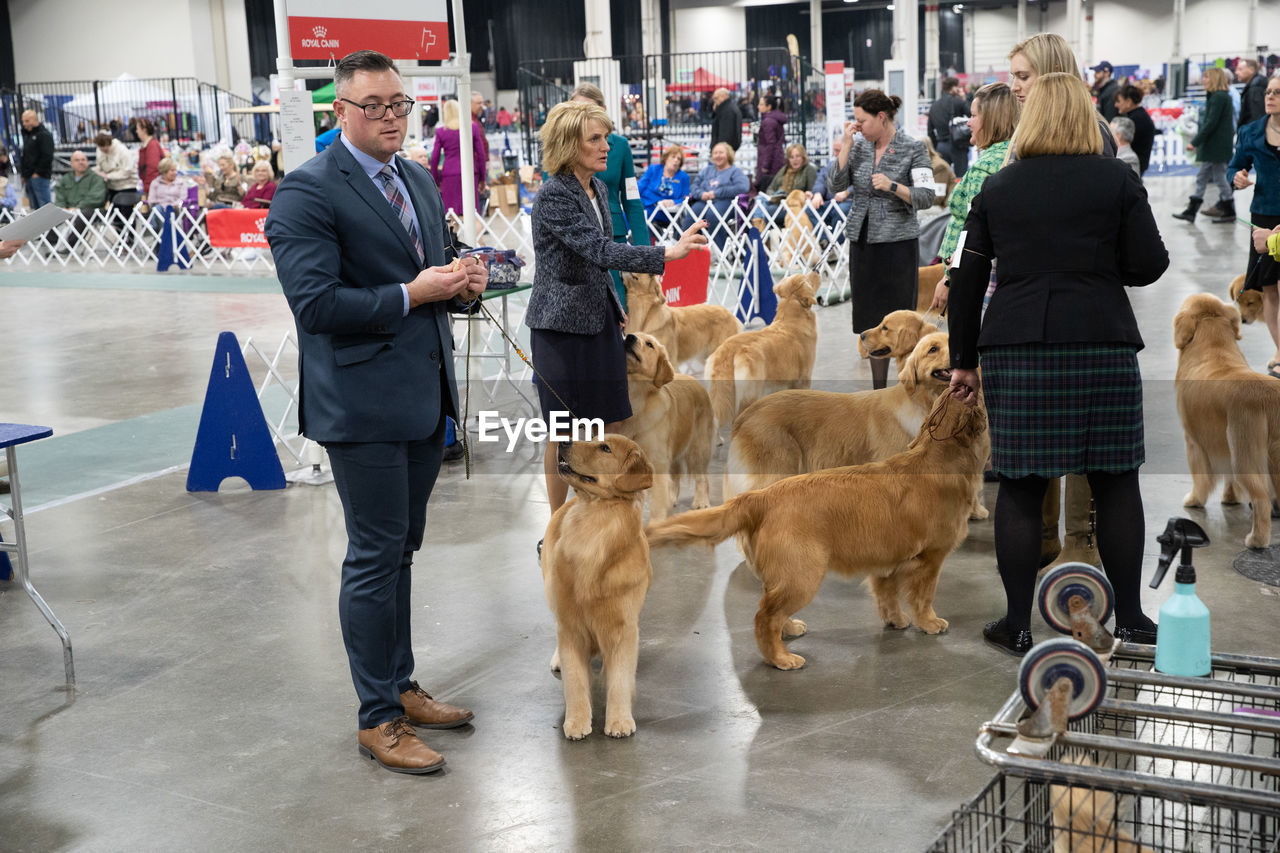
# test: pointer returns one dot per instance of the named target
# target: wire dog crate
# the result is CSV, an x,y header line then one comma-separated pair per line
x,y
1162,763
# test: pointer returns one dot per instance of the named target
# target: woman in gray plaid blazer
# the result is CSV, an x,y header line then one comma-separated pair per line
x,y
889,178
574,314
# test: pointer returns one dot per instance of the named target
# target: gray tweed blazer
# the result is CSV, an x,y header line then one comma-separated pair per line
x,y
572,289
889,218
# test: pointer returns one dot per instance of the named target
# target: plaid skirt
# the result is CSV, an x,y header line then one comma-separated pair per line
x,y
1058,409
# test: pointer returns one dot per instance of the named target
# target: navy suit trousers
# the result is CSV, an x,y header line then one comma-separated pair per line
x,y
384,487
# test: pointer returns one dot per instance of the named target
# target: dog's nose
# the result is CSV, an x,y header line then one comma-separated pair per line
x,y
629,340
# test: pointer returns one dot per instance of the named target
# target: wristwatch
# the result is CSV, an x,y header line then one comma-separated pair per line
x,y
893,187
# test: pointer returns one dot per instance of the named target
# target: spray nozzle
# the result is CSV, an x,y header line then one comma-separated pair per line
x,y
1179,534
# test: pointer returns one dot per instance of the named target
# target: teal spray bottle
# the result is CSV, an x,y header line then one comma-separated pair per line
x,y
1182,637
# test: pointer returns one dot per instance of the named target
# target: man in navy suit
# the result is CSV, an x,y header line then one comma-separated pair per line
x,y
359,241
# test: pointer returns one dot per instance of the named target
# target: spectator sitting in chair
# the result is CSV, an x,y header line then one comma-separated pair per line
x,y
259,194
834,201
79,190
167,190
717,186
798,174
223,188
664,186
8,194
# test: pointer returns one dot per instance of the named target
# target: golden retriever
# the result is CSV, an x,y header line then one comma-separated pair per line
x,y
671,421
799,243
596,571
1230,414
751,364
796,432
690,333
894,520
1084,820
927,279
1248,301
895,337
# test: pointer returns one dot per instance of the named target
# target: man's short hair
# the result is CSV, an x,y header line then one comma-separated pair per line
x,y
1130,92
360,60
1252,63
1123,128
949,83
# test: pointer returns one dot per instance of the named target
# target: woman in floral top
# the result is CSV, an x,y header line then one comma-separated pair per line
x,y
993,118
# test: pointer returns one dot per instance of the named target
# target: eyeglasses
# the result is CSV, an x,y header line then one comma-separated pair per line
x,y
1275,92
373,112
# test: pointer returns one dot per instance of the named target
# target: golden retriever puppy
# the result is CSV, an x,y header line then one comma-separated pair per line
x,y
1248,301
894,521
1230,414
1084,820
895,337
751,364
799,244
596,571
690,333
671,421
927,282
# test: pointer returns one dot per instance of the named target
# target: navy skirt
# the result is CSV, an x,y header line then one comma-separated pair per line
x,y
585,375
883,278
1058,409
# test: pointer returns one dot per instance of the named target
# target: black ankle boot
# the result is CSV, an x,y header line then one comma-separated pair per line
x,y
1227,211
1189,215
1015,642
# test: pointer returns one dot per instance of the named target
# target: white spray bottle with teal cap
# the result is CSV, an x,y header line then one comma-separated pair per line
x,y
1182,637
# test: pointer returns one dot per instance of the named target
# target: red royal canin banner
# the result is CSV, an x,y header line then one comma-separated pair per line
x,y
685,281
237,229
402,29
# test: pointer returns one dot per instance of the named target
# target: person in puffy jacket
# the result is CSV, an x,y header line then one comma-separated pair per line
x,y
772,142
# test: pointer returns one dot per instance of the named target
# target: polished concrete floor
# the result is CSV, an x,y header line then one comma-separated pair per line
x,y
214,710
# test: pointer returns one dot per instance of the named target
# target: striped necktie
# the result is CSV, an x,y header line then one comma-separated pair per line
x,y
398,204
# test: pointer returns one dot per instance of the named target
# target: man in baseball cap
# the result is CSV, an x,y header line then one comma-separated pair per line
x,y
1104,88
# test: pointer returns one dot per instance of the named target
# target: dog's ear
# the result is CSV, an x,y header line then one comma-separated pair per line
x,y
637,473
1184,329
1235,320
907,375
663,372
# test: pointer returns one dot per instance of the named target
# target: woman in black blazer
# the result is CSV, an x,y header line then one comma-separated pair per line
x,y
574,312
1058,344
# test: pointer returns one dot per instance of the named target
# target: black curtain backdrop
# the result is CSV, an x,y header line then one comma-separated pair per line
x,y
8,78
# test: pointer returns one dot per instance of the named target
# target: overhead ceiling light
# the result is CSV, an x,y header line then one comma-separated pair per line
x,y
958,8
851,1
890,7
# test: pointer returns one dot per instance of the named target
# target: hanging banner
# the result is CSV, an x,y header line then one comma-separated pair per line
x,y
402,29
835,98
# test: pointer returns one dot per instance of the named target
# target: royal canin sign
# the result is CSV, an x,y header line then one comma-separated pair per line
x,y
402,29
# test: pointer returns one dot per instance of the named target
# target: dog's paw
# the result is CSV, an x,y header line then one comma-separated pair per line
x,y
936,625
794,628
1193,502
978,512
897,621
788,661
1229,496
555,662
1253,540
700,503
621,727
576,729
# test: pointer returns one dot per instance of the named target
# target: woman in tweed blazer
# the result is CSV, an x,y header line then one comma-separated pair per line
x,y
889,177
574,313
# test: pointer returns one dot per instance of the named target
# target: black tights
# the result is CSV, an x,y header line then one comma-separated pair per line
x,y
1121,531
879,372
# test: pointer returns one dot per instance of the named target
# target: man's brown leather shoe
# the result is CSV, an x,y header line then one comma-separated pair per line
x,y
426,713
396,747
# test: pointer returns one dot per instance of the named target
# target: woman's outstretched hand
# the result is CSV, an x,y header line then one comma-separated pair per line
x,y
689,240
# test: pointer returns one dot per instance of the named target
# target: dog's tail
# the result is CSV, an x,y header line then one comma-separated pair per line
x,y
712,526
720,371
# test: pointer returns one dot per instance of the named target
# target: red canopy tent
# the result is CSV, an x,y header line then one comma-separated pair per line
x,y
703,81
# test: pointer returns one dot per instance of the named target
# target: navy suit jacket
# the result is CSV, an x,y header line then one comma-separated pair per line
x,y
368,372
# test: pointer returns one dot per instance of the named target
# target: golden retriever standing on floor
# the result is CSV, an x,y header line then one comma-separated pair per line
x,y
799,243
895,521
1230,413
927,282
596,571
1248,301
671,421
690,333
751,364
895,337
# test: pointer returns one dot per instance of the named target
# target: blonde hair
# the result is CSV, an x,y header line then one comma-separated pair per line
x,y
562,135
1047,53
999,110
165,165
589,91
449,114
728,150
1058,118
673,149
1215,80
